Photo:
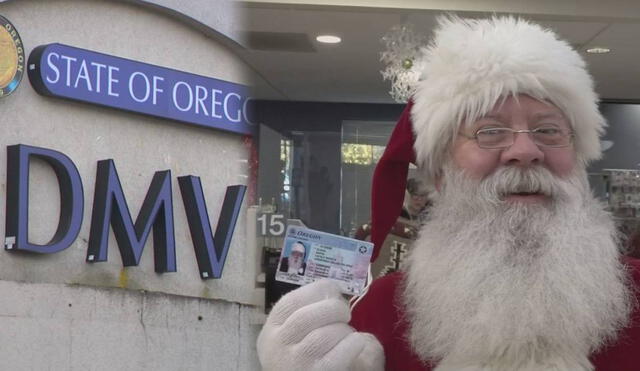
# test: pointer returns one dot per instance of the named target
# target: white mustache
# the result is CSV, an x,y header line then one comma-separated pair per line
x,y
508,180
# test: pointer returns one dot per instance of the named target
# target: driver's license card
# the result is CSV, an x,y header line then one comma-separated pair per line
x,y
309,255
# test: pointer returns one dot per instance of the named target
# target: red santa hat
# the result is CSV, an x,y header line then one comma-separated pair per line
x,y
467,68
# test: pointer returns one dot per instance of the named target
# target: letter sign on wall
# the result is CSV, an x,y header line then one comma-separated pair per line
x,y
71,199
63,71
110,209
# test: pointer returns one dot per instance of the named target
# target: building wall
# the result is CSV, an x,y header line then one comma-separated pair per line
x,y
60,327
58,312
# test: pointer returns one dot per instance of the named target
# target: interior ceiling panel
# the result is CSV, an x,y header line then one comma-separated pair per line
x,y
620,34
278,41
350,71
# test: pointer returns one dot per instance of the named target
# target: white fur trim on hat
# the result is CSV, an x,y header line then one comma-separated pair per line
x,y
298,247
472,63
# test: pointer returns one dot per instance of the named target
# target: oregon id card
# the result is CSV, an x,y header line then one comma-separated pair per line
x,y
309,255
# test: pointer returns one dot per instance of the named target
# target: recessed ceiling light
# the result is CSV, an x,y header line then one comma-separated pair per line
x,y
598,50
328,39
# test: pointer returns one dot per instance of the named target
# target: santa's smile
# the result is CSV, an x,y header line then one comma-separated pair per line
x,y
527,197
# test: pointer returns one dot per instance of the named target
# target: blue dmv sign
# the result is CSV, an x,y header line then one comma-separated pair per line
x,y
64,71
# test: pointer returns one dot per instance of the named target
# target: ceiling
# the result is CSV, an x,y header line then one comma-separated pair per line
x,y
280,42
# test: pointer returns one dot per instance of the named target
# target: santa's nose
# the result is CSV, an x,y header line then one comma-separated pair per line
x,y
523,152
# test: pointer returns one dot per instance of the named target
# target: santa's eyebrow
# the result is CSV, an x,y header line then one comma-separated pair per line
x,y
491,116
548,115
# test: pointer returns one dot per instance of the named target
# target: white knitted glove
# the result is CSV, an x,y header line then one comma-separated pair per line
x,y
307,330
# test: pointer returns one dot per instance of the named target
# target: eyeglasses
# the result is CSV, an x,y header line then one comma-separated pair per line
x,y
545,136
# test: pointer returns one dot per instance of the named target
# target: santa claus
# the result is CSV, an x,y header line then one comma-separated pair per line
x,y
294,263
518,266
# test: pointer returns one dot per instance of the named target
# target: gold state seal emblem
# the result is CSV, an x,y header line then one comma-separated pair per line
x,y
11,58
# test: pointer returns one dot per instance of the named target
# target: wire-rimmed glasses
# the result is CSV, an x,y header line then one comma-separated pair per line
x,y
544,136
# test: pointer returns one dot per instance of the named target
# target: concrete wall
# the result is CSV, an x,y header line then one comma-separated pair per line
x,y
58,312
57,327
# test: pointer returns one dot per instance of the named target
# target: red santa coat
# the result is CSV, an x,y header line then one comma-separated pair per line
x,y
380,312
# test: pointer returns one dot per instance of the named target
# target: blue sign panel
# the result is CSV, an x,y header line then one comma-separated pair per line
x,y
63,71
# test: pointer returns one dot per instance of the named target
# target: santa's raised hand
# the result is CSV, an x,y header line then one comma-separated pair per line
x,y
308,330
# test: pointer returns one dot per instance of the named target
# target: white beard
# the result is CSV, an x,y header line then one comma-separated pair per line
x,y
294,265
514,287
